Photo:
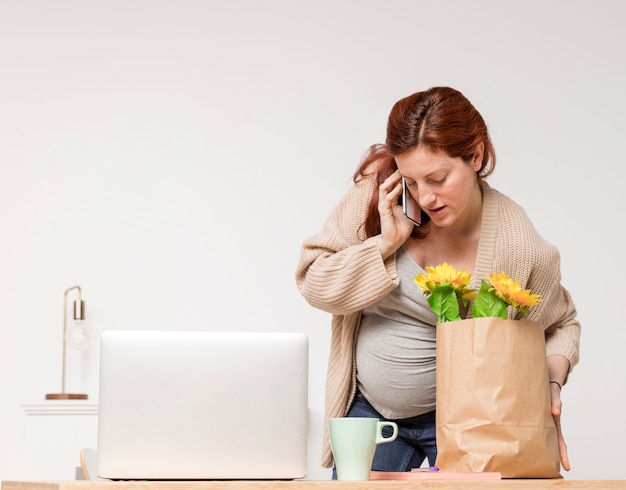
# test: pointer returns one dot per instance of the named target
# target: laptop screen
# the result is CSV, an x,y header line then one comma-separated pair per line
x,y
197,405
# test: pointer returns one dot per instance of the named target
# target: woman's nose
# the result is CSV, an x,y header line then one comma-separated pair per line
x,y
427,198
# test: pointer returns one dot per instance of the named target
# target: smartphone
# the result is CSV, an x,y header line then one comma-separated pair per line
x,y
410,208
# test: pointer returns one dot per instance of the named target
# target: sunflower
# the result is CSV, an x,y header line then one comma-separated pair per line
x,y
445,287
445,274
511,292
448,288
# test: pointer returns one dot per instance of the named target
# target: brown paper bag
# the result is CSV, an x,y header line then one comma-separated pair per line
x,y
493,399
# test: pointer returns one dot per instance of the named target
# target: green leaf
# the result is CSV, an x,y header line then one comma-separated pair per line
x,y
444,303
487,303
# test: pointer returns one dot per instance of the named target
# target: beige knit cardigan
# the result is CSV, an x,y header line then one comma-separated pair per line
x,y
341,272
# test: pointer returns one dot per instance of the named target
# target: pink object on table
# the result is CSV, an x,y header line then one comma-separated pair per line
x,y
424,474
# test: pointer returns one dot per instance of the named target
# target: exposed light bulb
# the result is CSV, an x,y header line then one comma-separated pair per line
x,y
77,336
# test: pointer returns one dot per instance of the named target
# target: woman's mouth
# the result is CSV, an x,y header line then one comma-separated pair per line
x,y
436,211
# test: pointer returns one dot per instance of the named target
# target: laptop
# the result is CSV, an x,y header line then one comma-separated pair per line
x,y
199,405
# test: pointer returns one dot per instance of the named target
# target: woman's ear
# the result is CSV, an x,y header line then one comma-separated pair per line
x,y
477,158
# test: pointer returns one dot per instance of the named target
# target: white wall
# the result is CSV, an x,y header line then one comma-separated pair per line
x,y
171,156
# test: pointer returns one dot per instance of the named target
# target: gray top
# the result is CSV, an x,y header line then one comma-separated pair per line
x,y
395,351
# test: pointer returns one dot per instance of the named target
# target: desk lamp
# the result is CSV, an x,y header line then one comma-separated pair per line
x,y
77,337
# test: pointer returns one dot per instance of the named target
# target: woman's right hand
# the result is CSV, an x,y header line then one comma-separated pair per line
x,y
395,227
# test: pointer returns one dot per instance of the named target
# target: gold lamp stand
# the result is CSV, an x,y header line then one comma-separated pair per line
x,y
79,314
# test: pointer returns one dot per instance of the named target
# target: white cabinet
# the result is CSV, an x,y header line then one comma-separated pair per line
x,y
55,432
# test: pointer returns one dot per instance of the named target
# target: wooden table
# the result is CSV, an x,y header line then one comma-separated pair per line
x,y
314,485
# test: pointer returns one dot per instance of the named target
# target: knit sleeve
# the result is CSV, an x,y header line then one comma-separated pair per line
x,y
340,271
563,337
556,310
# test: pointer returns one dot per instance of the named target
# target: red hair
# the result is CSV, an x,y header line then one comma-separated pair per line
x,y
440,119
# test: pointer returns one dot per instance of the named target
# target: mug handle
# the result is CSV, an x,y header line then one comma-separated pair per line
x,y
379,435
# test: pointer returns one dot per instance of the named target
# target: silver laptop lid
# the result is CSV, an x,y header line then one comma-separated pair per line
x,y
197,405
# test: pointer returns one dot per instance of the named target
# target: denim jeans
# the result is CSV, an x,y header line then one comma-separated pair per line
x,y
415,441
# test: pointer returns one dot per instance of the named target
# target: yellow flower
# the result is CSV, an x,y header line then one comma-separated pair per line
x,y
442,274
511,291
448,291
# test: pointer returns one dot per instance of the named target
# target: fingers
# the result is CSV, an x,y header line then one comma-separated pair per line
x,y
555,398
389,192
557,405
395,227
562,445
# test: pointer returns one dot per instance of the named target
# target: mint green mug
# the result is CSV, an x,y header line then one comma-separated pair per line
x,y
353,441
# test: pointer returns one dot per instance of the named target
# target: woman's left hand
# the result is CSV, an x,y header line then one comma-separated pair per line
x,y
558,367
555,394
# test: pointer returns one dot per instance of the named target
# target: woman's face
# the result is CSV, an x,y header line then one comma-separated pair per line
x,y
446,188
